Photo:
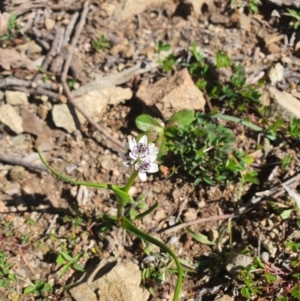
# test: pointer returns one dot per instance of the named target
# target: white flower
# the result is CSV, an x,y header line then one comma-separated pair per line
x,y
141,150
145,166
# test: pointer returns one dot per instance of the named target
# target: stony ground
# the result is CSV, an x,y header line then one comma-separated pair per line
x,y
80,106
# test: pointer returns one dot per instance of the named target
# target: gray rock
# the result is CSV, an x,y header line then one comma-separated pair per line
x,y
120,283
16,98
63,118
10,117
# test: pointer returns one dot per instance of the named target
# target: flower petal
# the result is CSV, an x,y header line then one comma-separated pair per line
x,y
143,175
153,167
131,143
143,140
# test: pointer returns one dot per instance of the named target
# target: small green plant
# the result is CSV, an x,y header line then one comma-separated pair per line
x,y
253,6
100,44
259,278
235,94
222,60
202,147
141,157
167,62
293,128
295,18
38,287
11,28
6,277
197,67
66,261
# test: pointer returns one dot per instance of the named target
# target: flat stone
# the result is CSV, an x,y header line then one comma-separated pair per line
x,y
49,23
63,118
120,283
286,105
95,101
236,262
10,117
129,8
276,74
16,98
172,94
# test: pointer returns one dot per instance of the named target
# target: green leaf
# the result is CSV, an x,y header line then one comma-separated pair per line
x,y
203,239
77,267
147,123
122,196
60,260
295,292
183,117
132,214
270,278
285,214
64,269
66,256
245,292
251,177
142,206
29,289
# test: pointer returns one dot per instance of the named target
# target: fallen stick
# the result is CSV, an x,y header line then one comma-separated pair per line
x,y
68,93
21,162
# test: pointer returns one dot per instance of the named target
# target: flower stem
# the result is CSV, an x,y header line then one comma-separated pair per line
x,y
129,227
131,180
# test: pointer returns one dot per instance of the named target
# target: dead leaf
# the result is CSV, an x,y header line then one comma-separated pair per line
x,y
12,58
3,23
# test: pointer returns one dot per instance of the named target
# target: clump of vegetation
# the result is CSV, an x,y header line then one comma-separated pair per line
x,y
12,28
101,44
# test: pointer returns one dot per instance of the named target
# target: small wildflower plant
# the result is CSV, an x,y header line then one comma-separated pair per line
x,y
141,157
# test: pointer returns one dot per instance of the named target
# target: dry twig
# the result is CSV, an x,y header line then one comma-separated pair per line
x,y
71,100
197,221
17,161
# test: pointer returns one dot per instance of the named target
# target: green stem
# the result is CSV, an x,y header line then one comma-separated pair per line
x,y
130,180
129,227
67,179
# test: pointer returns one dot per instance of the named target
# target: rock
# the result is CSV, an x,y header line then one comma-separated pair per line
x,y
4,17
12,58
244,22
95,101
190,214
198,4
270,247
121,283
17,173
10,117
16,98
294,3
11,188
170,95
129,8
225,298
276,74
49,24
63,118
29,48
34,125
109,8
236,262
287,105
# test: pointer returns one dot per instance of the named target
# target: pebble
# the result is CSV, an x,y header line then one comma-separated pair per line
x,y
10,117
190,214
11,188
16,98
156,189
17,173
49,24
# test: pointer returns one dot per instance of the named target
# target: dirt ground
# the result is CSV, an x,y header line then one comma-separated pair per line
x,y
40,215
